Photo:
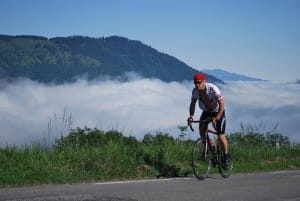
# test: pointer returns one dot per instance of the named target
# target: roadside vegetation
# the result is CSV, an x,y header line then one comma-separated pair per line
x,y
87,155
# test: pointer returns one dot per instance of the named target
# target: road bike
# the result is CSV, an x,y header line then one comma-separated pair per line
x,y
206,157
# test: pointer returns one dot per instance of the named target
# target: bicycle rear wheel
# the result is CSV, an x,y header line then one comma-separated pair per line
x,y
202,159
224,171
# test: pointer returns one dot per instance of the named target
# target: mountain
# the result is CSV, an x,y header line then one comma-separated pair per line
x,y
227,76
64,59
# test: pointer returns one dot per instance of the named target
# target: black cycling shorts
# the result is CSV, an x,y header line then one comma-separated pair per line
x,y
220,125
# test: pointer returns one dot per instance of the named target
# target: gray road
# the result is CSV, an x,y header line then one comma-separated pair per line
x,y
273,186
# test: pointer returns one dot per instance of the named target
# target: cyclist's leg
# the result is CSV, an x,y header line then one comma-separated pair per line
x,y
220,128
224,143
203,126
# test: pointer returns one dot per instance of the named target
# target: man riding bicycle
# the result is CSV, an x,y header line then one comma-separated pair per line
x,y
212,104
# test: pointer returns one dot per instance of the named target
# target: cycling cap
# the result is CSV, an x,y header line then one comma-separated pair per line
x,y
199,77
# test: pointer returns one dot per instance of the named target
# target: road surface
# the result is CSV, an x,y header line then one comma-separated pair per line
x,y
273,186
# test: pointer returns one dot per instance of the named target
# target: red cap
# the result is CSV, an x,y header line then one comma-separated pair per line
x,y
199,77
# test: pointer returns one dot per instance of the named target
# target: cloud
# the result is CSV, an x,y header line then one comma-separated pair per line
x,y
264,105
136,107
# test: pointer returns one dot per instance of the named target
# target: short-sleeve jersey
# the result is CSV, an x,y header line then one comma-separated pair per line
x,y
214,94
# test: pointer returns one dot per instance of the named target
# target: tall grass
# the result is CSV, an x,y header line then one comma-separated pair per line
x,y
94,155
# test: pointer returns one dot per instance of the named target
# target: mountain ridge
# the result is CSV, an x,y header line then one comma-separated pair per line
x,y
63,59
228,76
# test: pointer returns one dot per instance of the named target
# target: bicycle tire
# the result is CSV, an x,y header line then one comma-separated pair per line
x,y
224,171
201,163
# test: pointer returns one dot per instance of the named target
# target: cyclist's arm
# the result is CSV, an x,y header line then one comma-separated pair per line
x,y
192,107
221,109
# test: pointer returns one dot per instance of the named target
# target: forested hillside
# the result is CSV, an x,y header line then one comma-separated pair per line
x,y
64,59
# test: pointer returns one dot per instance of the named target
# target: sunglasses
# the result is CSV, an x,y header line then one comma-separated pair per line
x,y
198,82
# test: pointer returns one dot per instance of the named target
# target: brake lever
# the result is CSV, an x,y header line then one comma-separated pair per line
x,y
190,124
191,127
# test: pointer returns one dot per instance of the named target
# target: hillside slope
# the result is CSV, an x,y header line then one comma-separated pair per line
x,y
64,59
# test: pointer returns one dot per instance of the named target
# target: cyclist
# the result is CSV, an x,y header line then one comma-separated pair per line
x,y
212,104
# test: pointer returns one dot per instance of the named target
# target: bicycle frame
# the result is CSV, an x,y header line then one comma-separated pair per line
x,y
212,161
207,131
207,137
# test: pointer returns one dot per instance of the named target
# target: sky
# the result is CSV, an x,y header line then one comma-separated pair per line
x,y
257,38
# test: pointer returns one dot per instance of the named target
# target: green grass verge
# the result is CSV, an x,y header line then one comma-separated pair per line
x,y
121,158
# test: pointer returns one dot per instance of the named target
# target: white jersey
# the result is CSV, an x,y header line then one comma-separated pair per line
x,y
214,94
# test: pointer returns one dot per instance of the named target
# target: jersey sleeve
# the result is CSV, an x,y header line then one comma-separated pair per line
x,y
218,94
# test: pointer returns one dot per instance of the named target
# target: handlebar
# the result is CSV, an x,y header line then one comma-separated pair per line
x,y
208,120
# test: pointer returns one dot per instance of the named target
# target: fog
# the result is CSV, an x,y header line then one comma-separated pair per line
x,y
32,111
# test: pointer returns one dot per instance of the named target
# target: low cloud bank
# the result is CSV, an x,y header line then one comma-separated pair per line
x,y
264,105
31,111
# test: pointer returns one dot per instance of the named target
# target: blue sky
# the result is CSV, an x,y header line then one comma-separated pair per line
x,y
258,38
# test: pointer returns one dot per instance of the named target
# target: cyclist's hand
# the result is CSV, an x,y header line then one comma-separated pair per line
x,y
216,119
190,120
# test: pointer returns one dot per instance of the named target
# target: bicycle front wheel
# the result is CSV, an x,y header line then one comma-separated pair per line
x,y
202,159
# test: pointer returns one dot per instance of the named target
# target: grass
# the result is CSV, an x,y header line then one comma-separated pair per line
x,y
93,155
265,158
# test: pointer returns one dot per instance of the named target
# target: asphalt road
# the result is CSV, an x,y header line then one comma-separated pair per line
x,y
273,186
